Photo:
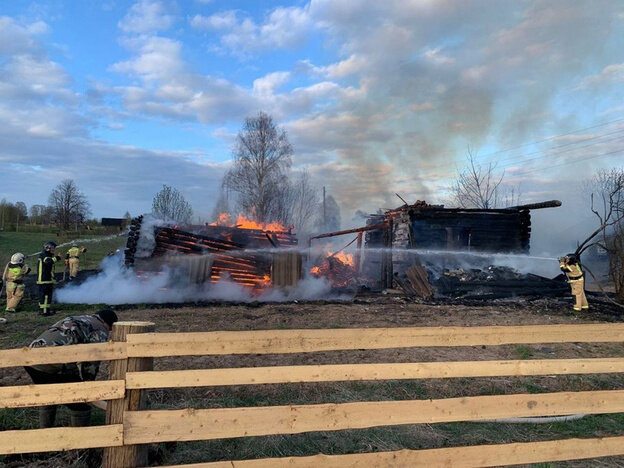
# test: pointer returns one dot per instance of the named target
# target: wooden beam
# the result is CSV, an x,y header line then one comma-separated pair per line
x,y
59,354
54,394
129,455
348,372
302,341
141,427
457,457
60,438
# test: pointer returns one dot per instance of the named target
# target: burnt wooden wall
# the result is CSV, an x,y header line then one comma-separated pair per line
x,y
456,229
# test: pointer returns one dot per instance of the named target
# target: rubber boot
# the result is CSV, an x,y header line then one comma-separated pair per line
x,y
47,415
80,418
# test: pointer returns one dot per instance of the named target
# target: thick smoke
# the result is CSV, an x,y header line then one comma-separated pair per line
x,y
117,284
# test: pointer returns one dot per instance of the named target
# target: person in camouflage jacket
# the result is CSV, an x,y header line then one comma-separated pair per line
x,y
71,330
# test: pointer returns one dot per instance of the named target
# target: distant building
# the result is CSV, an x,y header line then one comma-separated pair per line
x,y
113,222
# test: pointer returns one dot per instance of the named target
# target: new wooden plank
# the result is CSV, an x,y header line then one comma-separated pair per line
x,y
52,394
59,354
298,341
60,438
346,372
142,427
457,457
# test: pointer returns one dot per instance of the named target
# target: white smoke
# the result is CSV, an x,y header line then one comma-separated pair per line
x,y
438,260
116,284
147,239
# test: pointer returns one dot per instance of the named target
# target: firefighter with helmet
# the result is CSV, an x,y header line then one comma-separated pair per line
x,y
13,277
72,260
571,267
45,277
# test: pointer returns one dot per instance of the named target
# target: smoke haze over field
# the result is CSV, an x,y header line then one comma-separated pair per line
x,y
115,284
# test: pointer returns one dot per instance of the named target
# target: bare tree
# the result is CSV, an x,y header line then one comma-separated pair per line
x,y
170,205
305,203
262,156
607,203
69,205
476,186
36,212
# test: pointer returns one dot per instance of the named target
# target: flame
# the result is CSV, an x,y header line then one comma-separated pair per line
x,y
242,222
339,268
345,258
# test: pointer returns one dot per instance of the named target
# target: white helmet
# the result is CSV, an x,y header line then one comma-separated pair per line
x,y
17,258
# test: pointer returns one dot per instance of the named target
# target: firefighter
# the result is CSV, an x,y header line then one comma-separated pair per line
x,y
45,277
72,260
571,267
13,277
71,330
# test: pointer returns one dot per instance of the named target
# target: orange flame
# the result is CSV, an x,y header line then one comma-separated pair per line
x,y
242,222
345,258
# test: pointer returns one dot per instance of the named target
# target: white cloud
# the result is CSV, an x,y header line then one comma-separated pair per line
x,y
267,85
219,21
284,27
436,57
344,68
147,16
158,58
610,74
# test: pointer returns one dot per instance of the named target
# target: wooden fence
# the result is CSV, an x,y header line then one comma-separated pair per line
x,y
131,352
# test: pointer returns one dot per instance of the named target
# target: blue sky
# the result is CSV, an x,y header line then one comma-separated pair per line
x,y
377,98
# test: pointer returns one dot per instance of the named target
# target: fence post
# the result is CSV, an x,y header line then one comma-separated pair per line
x,y
126,456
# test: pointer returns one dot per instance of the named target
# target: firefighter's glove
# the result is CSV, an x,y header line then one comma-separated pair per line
x,y
58,258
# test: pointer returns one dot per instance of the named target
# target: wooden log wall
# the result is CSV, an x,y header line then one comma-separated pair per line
x,y
482,231
226,245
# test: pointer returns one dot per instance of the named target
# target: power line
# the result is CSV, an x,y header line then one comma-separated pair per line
x,y
573,161
520,158
573,132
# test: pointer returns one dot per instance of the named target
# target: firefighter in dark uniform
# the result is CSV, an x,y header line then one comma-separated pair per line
x,y
71,330
571,266
45,277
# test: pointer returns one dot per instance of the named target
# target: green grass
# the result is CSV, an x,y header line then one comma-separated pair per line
x,y
523,352
31,243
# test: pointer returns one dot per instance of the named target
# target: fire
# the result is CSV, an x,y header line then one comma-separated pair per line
x,y
242,222
345,258
340,268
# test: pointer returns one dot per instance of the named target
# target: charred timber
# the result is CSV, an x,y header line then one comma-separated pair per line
x,y
348,231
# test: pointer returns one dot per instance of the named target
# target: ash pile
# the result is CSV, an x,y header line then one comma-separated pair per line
x,y
495,282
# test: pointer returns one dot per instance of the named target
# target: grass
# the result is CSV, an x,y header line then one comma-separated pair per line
x,y
31,243
523,352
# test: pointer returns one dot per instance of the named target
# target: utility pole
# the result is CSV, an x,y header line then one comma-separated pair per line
x,y
324,212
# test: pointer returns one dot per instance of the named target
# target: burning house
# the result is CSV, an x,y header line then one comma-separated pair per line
x,y
244,252
394,248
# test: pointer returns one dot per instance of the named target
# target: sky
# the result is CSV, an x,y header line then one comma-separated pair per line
x,y
377,98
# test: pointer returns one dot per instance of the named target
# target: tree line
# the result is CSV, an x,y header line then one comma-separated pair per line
x,y
67,207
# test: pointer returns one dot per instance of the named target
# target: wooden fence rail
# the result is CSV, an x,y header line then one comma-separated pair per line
x,y
129,425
